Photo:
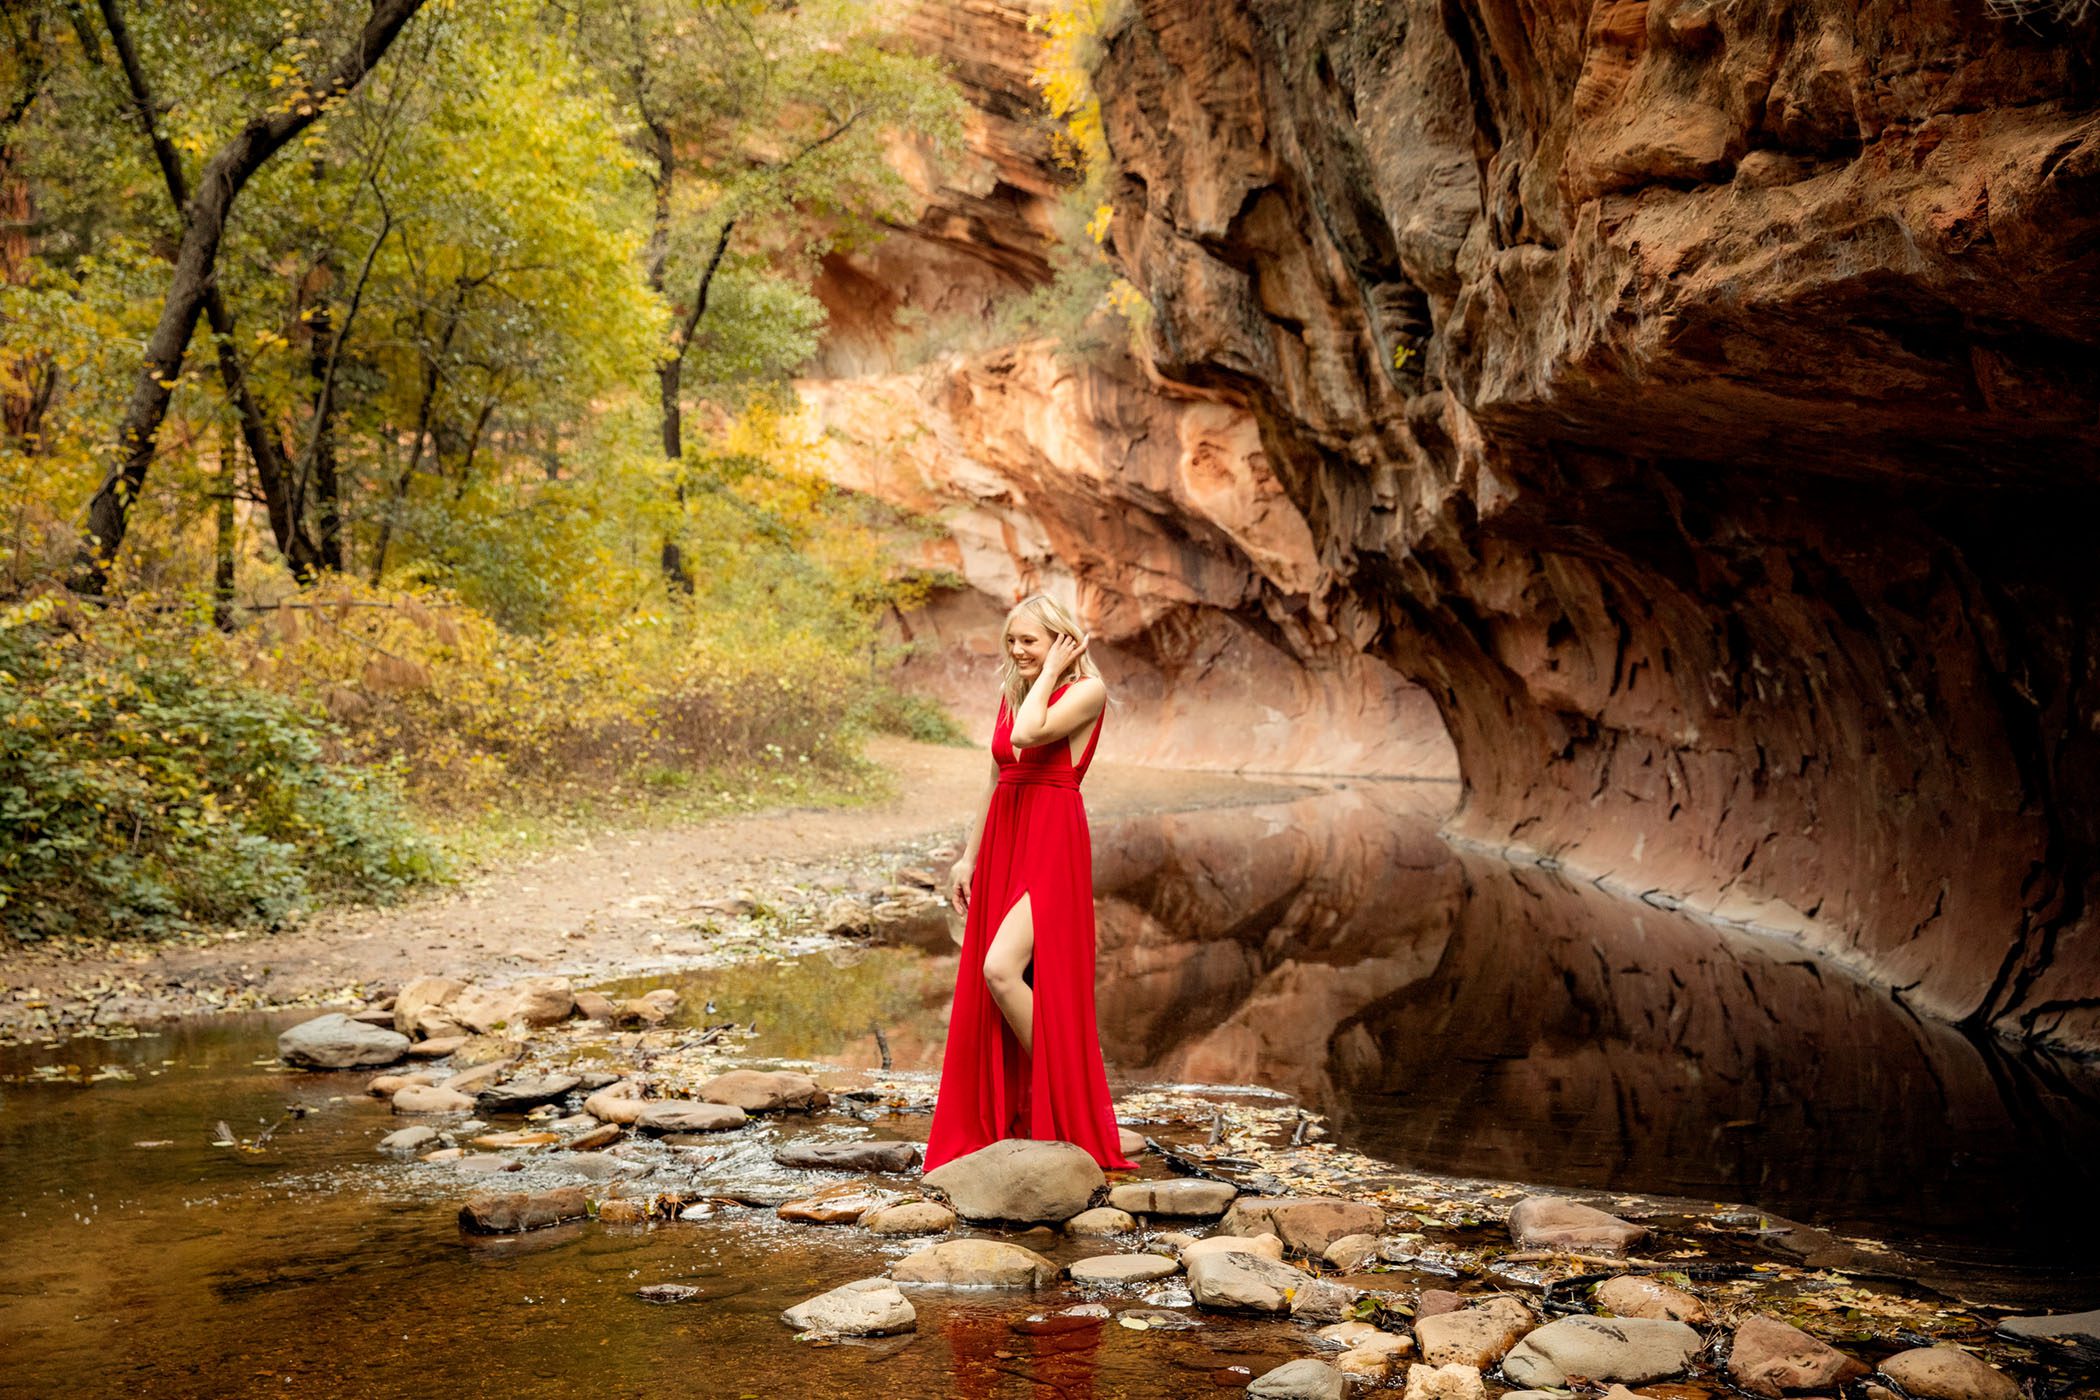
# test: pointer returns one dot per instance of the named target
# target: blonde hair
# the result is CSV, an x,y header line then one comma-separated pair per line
x,y
1057,620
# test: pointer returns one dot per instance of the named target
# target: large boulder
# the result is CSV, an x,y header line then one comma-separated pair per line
x,y
869,1307
335,1041
975,1264
1180,1196
688,1116
1630,1349
1630,1295
850,1156
1307,1224
1771,1358
420,995
1304,1379
1478,1336
1948,1373
759,1091
1020,1179
1244,1282
1555,1222
520,1210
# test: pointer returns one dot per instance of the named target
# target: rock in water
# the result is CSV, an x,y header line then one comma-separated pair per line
x,y
1771,1358
1260,1246
1305,1379
850,1156
756,1091
1632,1349
1444,1383
1101,1220
1244,1282
408,1139
1630,1295
524,1095
1362,1336
420,995
976,1264
869,1307
1555,1222
1180,1196
1123,1268
686,1116
1948,1373
1319,1300
667,1293
428,1098
1306,1225
1477,1336
335,1041
2067,1327
837,1205
1352,1251
911,1218
1020,1179
520,1210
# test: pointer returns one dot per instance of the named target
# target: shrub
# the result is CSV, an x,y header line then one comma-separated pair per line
x,y
145,787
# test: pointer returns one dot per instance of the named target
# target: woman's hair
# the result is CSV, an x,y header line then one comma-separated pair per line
x,y
1056,619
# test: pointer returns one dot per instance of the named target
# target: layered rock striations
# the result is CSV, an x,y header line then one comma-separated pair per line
x,y
1700,401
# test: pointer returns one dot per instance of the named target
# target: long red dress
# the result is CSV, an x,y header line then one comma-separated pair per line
x,y
1034,843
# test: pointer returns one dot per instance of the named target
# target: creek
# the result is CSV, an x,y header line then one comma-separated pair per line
x,y
1443,1010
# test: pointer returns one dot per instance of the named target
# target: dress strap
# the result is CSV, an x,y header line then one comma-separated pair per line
x,y
1079,768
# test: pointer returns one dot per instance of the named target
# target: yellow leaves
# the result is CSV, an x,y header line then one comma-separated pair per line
x,y
1097,226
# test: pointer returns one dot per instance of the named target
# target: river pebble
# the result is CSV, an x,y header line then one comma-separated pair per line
x,y
1633,1349
1304,1379
1772,1358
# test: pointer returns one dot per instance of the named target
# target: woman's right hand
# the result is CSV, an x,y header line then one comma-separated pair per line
x,y
959,885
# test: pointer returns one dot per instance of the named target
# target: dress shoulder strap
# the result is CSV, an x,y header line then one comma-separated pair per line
x,y
1092,739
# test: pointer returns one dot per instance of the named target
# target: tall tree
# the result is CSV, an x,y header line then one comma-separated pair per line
x,y
196,259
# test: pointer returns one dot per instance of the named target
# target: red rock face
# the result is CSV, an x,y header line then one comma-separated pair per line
x,y
1700,402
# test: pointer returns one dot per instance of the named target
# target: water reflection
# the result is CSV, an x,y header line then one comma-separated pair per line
x,y
1459,1014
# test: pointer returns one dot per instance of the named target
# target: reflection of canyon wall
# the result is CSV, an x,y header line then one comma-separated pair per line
x,y
1459,1013
1700,401
1154,513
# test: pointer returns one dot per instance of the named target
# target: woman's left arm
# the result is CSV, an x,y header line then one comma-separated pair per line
x,y
1038,721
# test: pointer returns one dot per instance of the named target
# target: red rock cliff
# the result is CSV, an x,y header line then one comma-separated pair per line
x,y
1699,400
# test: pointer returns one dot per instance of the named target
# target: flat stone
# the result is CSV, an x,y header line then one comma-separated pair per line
x,y
408,1139
1123,1268
1362,1336
499,1141
1352,1252
842,1204
523,1095
422,994
1452,1382
444,1154
620,1103
428,1098
521,1210
850,1156
667,1293
1260,1246
385,1086
591,1139
1555,1222
2079,1327
481,1009
1630,1295
1101,1220
468,1081
1178,1196
688,1116
596,1166
1322,1300
439,1048
1772,1358
911,1218
1478,1336
975,1263
869,1307
1131,1143
757,1091
1632,1349
1244,1282
1367,1366
485,1164
1019,1179
335,1041
1433,1302
596,1006
1948,1373
1303,1379
1305,1224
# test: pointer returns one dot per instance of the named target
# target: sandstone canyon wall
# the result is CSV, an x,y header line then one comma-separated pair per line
x,y
1700,400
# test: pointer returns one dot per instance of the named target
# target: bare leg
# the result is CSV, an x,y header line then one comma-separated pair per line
x,y
1005,971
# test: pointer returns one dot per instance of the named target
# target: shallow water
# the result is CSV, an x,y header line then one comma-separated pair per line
x,y
1448,1012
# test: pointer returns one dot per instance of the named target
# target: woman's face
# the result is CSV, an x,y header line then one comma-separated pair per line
x,y
1028,643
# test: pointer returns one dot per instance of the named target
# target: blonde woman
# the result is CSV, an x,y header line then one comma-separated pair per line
x,y
1023,1056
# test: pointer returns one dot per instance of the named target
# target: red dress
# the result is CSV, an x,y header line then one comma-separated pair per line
x,y
1034,843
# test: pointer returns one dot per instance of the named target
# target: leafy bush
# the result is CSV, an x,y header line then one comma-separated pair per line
x,y
144,787
919,717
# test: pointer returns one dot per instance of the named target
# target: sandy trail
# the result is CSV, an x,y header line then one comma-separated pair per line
x,y
615,902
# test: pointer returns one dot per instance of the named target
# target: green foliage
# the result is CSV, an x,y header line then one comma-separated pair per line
x,y
892,711
144,788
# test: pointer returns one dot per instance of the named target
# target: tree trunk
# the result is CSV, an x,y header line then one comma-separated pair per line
x,y
222,572
190,285
328,501
670,378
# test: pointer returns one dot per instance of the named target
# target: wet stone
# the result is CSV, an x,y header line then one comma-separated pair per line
x,y
335,1041
428,1098
1444,1383
590,1140
485,1164
623,1212
756,1091
408,1139
469,1081
686,1116
1123,1268
1319,1300
1948,1373
500,1141
2067,1327
1305,1224
1367,1366
975,1264
667,1293
519,1095
1434,1302
385,1086
1632,1349
911,1218
1304,1379
1555,1222
1019,1179
1352,1251
1260,1246
850,1156
1157,1318
620,1103
1101,1220
869,1307
1772,1358
438,1048
520,1210
593,1166
1477,1336
1632,1296
1243,1282
837,1205
1362,1336
1192,1197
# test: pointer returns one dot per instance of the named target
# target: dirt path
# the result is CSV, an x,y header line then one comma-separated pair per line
x,y
619,902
